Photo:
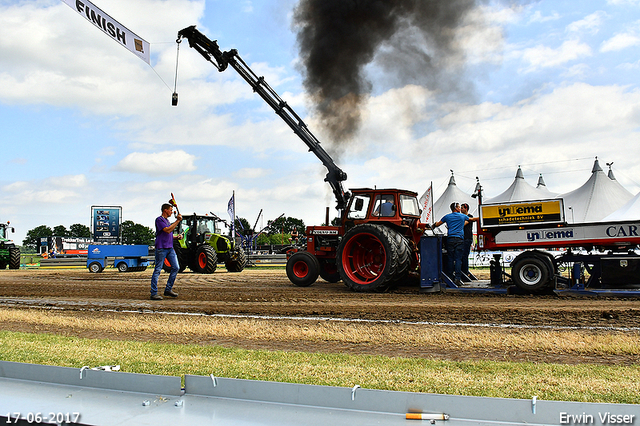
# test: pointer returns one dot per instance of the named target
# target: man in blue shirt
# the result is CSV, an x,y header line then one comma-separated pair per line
x,y
165,250
455,236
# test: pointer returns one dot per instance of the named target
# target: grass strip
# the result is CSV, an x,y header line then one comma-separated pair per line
x,y
586,382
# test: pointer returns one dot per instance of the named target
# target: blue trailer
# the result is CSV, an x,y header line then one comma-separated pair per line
x,y
125,258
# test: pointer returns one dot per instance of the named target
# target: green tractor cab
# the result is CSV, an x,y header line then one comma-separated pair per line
x,y
201,247
9,253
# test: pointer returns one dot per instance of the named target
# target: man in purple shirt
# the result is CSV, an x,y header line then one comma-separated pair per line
x,y
164,250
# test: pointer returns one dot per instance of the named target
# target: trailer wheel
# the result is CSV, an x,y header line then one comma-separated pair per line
x,y
14,258
303,268
367,258
95,267
123,267
531,273
206,259
237,263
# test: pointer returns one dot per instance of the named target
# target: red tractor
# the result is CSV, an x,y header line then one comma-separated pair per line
x,y
376,244
374,248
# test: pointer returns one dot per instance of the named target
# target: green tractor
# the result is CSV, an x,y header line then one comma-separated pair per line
x,y
9,253
201,247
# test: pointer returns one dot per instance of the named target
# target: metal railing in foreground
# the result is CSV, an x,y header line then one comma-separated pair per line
x,y
85,396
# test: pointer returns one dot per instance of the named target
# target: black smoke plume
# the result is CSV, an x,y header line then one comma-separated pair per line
x,y
413,40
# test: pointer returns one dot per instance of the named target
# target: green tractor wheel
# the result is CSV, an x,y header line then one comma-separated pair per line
x,y
206,260
237,262
14,258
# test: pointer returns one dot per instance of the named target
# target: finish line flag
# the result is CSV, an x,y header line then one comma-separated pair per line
x,y
125,37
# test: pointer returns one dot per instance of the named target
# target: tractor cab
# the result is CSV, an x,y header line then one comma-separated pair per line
x,y
393,207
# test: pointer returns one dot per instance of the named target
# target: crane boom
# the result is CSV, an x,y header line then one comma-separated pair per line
x,y
221,60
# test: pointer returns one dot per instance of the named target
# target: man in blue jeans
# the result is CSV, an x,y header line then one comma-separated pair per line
x,y
164,250
455,236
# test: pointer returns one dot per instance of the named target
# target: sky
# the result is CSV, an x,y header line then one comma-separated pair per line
x,y
544,85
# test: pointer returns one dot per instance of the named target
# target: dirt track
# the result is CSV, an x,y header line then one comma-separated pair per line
x,y
269,293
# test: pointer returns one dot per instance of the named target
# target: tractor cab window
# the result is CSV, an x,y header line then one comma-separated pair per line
x,y
384,206
409,205
359,207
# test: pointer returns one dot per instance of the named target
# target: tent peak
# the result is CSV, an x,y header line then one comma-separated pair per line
x,y
596,166
540,182
610,174
452,180
519,174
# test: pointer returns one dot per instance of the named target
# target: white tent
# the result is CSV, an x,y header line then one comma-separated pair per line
x,y
519,190
452,194
629,211
596,199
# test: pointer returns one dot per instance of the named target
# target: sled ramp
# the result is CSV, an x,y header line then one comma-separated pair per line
x,y
62,395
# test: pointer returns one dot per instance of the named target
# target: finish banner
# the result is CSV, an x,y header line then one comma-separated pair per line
x,y
112,28
521,213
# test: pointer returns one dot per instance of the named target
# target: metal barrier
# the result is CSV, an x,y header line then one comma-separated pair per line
x,y
85,396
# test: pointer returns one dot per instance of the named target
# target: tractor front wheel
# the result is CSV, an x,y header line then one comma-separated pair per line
x,y
14,258
303,268
329,271
237,263
206,260
367,258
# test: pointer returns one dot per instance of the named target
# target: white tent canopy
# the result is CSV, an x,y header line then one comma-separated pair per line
x,y
596,199
519,190
629,211
450,195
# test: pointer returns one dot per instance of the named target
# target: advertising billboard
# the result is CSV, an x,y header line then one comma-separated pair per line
x,y
105,221
522,213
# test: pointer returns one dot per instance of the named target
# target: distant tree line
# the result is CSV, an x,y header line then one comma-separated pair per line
x,y
278,231
130,233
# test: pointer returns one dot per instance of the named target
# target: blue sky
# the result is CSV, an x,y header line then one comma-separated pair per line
x,y
549,85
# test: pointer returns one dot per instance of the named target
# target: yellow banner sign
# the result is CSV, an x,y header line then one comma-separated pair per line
x,y
545,211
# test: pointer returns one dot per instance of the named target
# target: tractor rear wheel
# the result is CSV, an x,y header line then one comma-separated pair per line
x,y
14,258
238,263
303,268
206,259
367,258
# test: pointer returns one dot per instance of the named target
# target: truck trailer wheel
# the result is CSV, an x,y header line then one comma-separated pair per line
x,y
531,273
95,267
303,268
14,258
206,259
367,258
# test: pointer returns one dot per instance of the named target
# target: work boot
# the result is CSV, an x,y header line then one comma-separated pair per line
x,y
170,293
156,297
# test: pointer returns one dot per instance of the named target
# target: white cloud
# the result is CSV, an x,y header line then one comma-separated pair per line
x,y
157,164
620,41
590,23
545,57
537,16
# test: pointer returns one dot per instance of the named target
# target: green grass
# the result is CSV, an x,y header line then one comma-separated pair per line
x,y
588,383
